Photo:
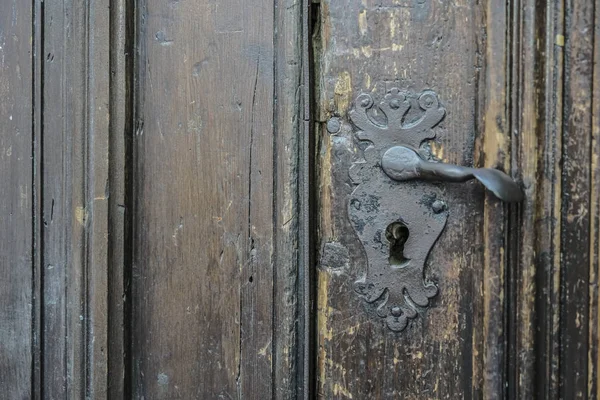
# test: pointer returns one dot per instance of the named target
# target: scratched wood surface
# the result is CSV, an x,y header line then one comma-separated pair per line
x,y
16,200
579,245
118,122
74,159
455,349
54,174
553,266
517,311
214,276
152,199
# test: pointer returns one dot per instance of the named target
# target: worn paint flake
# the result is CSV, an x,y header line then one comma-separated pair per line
x,y
343,92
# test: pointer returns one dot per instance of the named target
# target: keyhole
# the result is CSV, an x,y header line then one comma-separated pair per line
x,y
397,234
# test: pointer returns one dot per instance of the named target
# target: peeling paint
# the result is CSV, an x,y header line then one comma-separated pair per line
x,y
325,333
80,215
367,51
343,92
362,22
437,150
338,390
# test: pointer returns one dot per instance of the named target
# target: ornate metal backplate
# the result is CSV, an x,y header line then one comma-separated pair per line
x,y
396,222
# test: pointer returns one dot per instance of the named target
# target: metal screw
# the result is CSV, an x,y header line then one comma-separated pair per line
x,y
438,206
334,125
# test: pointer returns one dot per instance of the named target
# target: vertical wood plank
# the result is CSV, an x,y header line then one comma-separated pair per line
x,y
119,200
594,316
535,264
576,189
37,160
79,167
16,205
457,347
57,213
74,198
492,151
526,134
215,196
288,125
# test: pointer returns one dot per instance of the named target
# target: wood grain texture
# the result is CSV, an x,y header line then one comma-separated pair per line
x,y
534,301
577,192
534,269
16,200
215,199
554,300
289,123
492,150
119,199
156,205
555,286
67,154
456,348
74,198
203,244
56,109
594,316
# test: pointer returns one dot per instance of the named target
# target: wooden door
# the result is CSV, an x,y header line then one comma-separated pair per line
x,y
516,311
150,199
176,182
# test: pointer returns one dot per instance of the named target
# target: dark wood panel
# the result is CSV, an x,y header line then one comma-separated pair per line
x,y
289,268
534,238
74,191
16,200
577,188
457,347
536,108
594,316
211,217
553,276
122,38
492,130
214,296
58,209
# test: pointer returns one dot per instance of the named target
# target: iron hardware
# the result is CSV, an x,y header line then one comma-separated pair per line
x,y
403,163
398,226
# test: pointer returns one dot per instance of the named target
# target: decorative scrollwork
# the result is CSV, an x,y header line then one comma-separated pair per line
x,y
397,131
397,226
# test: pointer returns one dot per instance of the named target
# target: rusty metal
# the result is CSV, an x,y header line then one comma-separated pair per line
x,y
398,223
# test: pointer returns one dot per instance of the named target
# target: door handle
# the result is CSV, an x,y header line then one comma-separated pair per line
x,y
398,225
403,163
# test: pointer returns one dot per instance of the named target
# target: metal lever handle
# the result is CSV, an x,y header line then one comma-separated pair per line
x,y
403,163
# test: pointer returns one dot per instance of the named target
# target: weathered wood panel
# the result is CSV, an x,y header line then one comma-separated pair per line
x,y
594,316
16,200
457,347
74,191
210,218
532,279
577,191
554,268
55,99
289,267
492,130
119,211
528,324
215,199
